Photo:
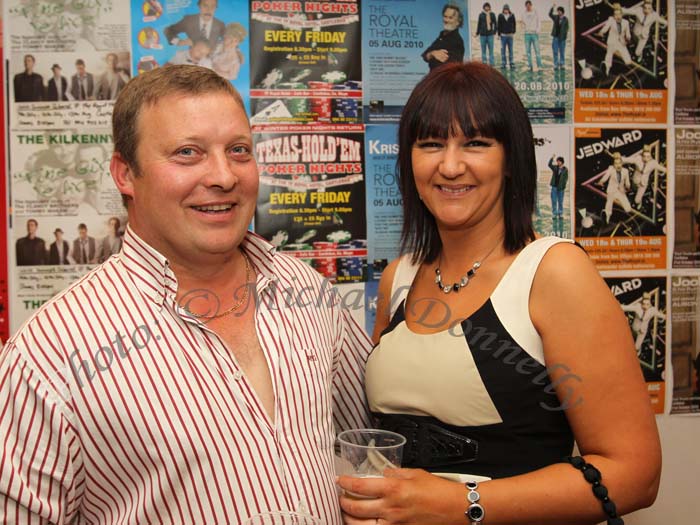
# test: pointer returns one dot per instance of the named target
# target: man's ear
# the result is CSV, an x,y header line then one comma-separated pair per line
x,y
122,175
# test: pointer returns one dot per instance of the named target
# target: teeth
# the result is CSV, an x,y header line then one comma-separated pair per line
x,y
215,207
453,190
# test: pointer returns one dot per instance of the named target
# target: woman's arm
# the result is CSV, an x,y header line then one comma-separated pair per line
x,y
592,361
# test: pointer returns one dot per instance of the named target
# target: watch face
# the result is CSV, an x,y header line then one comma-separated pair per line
x,y
476,512
473,497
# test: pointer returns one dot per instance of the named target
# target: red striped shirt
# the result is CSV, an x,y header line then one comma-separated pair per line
x,y
116,406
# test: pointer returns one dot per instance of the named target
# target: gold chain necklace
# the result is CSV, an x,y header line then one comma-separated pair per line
x,y
238,304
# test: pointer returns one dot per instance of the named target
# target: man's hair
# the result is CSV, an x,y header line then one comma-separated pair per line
x,y
560,159
30,56
82,226
528,3
34,221
201,40
486,4
199,3
475,99
148,88
560,9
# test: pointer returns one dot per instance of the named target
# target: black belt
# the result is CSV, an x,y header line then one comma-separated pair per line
x,y
429,445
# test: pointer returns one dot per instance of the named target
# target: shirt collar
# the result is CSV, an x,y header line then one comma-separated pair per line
x,y
152,273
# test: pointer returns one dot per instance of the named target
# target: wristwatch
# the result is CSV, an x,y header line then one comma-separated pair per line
x,y
475,513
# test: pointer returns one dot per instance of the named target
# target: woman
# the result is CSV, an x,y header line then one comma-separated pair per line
x,y
494,348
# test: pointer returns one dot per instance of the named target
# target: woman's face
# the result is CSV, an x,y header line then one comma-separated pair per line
x,y
460,179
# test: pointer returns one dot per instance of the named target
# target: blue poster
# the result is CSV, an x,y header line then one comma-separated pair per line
x,y
401,41
384,203
205,32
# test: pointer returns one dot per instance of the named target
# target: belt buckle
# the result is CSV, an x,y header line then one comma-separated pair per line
x,y
439,447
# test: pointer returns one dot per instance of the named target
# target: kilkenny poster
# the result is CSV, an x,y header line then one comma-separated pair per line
x,y
685,343
686,249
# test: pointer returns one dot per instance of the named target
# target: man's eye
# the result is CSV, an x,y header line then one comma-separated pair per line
x,y
186,152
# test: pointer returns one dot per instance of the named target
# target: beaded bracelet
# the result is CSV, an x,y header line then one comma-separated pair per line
x,y
592,475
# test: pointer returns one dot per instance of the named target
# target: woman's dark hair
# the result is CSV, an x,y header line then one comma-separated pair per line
x,y
476,99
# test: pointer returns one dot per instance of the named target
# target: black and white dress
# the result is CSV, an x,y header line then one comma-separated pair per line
x,y
476,398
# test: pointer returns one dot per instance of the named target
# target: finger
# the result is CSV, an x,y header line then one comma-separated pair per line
x,y
369,487
349,520
361,508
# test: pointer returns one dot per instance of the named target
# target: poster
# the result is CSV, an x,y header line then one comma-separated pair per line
x,y
687,62
643,299
311,201
620,196
621,59
686,250
4,312
526,57
202,32
67,62
401,40
685,345
554,180
384,202
62,194
305,69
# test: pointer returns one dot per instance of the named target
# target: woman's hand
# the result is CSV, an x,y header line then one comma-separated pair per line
x,y
403,496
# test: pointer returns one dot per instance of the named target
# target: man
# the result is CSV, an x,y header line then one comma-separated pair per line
x,y
644,166
618,31
560,29
448,46
84,247
113,80
506,30
196,55
195,27
192,378
531,29
643,312
29,86
58,250
645,18
57,86
618,182
110,243
30,250
560,176
82,84
486,27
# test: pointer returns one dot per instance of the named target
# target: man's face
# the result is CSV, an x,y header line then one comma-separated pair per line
x,y
450,19
487,8
59,236
647,9
199,51
31,228
559,163
617,14
207,8
113,225
198,180
56,72
646,156
617,163
28,64
528,6
646,303
82,233
111,61
80,68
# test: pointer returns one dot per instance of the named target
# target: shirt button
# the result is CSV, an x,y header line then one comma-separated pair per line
x,y
238,375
